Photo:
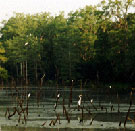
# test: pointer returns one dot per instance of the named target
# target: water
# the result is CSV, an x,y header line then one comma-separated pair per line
x,y
105,113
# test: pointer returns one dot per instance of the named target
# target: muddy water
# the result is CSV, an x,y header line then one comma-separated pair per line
x,y
108,109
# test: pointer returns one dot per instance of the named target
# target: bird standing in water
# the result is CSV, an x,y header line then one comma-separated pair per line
x,y
58,95
79,101
28,95
55,105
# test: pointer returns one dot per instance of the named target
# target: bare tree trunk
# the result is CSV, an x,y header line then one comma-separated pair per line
x,y
21,71
17,72
36,72
21,68
26,73
69,65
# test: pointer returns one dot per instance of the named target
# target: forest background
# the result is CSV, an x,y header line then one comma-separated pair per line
x,y
95,44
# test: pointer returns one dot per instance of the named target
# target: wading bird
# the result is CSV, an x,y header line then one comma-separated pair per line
x,y
28,95
79,101
58,95
55,105
91,100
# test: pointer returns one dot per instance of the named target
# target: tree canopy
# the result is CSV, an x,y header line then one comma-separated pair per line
x,y
92,43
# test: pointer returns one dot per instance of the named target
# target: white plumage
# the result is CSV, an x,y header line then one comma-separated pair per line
x,y
91,100
28,95
80,100
58,95
26,43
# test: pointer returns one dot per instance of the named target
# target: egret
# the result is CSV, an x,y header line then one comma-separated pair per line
x,y
91,100
28,95
110,87
79,101
58,95
26,43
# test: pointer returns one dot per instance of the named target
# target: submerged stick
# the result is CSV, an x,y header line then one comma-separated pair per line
x,y
7,112
58,118
43,124
70,98
10,115
118,102
118,109
52,122
120,123
19,118
66,113
126,117
93,119
63,106
82,113
112,108
128,109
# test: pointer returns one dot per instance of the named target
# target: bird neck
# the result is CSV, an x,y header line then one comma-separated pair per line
x,y
80,98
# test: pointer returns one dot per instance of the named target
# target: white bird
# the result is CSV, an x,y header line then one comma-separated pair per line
x,y
28,95
26,43
80,100
58,96
91,100
80,96
110,87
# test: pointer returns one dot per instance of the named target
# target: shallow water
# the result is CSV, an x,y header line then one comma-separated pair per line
x,y
104,110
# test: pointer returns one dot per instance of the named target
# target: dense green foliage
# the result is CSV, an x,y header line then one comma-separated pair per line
x,y
3,59
94,43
